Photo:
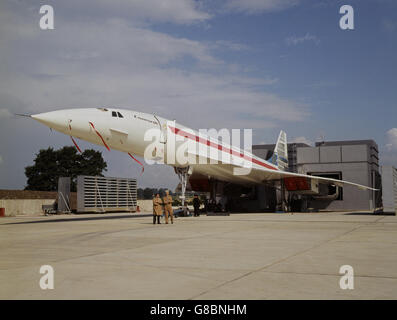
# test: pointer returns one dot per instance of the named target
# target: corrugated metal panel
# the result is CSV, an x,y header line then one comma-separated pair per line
x,y
101,194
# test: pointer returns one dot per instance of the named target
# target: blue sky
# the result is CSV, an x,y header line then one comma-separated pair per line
x,y
261,64
346,77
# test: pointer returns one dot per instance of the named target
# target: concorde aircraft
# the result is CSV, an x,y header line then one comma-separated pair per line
x,y
191,153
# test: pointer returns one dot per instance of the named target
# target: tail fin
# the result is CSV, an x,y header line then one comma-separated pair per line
x,y
280,154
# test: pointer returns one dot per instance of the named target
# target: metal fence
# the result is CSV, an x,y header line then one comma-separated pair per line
x,y
102,194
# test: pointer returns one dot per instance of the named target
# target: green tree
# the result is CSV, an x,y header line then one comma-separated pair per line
x,y
51,164
140,194
148,193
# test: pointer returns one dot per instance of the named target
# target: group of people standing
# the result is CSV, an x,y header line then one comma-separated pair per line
x,y
160,204
164,204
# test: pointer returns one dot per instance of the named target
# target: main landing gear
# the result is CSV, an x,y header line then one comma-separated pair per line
x,y
183,175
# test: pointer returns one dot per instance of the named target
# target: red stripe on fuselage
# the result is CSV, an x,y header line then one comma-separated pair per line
x,y
99,135
219,147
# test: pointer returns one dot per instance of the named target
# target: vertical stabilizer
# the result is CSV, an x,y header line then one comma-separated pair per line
x,y
280,154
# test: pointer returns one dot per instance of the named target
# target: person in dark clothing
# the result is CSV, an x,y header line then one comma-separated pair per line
x,y
196,205
206,205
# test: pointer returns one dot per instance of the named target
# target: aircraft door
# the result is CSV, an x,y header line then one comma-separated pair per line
x,y
118,134
163,130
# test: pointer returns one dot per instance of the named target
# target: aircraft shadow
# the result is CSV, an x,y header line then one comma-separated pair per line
x,y
80,219
365,213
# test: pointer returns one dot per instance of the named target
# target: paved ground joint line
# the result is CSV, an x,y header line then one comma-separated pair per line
x,y
284,259
122,249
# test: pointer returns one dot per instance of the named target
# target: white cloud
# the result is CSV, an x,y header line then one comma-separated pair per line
x,y
176,11
391,137
114,63
230,45
258,6
295,40
110,60
389,151
133,11
302,140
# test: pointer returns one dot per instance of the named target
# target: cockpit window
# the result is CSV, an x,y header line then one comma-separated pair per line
x,y
114,114
120,115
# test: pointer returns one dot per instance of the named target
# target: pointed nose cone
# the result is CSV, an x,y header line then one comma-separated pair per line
x,y
55,120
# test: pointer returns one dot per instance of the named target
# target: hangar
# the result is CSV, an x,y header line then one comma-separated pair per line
x,y
355,160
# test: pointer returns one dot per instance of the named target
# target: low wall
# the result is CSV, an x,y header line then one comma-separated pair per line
x,y
29,203
145,206
24,207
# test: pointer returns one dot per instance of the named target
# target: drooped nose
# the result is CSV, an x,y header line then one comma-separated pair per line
x,y
54,119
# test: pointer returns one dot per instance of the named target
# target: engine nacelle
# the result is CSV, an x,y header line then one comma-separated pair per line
x,y
302,185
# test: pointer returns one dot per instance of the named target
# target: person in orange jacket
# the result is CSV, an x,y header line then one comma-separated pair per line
x,y
167,200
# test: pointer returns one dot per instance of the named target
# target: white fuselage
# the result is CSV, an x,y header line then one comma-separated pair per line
x,y
126,131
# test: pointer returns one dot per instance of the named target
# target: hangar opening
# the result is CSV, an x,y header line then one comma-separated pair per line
x,y
329,191
356,161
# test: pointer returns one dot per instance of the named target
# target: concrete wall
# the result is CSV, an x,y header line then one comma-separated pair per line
x,y
23,202
389,189
145,206
24,207
330,154
32,207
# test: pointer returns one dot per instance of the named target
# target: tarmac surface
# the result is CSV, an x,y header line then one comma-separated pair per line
x,y
241,256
